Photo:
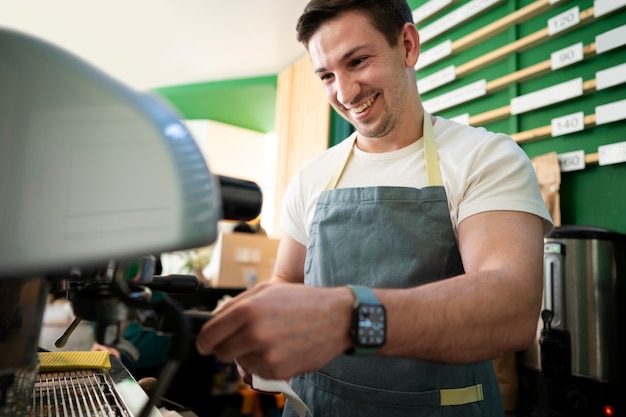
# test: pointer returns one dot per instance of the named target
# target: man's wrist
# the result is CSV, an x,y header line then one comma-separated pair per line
x,y
368,328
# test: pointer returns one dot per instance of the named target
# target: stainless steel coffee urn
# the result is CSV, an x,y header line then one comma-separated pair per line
x,y
576,365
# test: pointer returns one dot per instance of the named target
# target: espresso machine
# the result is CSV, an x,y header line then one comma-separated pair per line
x,y
93,176
576,367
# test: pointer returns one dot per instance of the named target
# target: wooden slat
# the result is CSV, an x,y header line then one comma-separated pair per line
x,y
501,25
505,111
546,131
592,158
533,71
521,44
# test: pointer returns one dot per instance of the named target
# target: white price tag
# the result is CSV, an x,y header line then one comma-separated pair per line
x,y
455,18
570,123
437,79
434,54
611,76
564,21
547,96
458,96
611,39
611,112
612,154
429,8
602,7
567,56
571,161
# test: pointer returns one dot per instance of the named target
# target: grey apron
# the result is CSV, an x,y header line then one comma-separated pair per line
x,y
392,237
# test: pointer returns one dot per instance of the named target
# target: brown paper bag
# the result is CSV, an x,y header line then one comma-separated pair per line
x,y
548,173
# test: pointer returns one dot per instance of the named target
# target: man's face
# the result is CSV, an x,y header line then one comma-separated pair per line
x,y
364,78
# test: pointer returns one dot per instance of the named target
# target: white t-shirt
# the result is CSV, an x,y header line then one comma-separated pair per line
x,y
481,171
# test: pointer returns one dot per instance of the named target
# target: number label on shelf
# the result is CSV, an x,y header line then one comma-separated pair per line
x,y
611,112
569,123
611,39
563,21
458,96
437,79
610,77
550,95
613,153
567,56
572,161
602,7
429,9
434,54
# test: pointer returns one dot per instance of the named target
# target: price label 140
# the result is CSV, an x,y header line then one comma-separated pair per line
x,y
570,123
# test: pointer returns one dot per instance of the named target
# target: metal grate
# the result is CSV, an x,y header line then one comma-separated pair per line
x,y
79,393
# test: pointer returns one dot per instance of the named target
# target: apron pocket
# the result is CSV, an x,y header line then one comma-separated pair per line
x,y
328,397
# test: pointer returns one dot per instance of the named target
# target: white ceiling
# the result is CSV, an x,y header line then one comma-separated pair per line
x,y
158,43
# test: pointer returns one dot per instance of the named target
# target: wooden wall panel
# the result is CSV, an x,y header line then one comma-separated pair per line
x,y
302,125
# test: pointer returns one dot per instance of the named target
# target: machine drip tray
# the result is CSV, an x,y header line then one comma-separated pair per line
x,y
89,392
80,392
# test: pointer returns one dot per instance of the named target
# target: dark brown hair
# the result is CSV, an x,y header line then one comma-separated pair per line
x,y
387,16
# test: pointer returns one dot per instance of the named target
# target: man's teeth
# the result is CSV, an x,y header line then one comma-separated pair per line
x,y
363,106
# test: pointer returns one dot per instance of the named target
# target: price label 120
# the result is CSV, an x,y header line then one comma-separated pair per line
x,y
564,21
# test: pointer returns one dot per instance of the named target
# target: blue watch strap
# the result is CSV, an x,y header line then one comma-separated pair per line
x,y
363,295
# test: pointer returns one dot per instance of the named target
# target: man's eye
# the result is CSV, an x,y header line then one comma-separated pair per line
x,y
358,61
326,77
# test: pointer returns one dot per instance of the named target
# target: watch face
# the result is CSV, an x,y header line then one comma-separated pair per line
x,y
370,325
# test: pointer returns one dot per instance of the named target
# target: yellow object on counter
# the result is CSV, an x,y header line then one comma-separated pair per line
x,y
69,360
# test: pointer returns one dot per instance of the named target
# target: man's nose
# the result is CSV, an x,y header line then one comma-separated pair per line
x,y
347,90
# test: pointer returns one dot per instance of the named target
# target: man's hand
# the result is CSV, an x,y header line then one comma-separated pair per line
x,y
279,330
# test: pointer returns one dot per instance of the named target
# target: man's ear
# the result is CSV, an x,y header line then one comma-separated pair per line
x,y
410,39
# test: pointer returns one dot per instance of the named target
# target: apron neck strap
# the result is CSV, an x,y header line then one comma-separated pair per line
x,y
430,153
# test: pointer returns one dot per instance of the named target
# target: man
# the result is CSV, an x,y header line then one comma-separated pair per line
x,y
439,223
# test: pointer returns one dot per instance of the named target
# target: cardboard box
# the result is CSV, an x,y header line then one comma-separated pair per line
x,y
244,259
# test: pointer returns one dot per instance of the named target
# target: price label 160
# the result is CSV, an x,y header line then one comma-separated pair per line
x,y
572,161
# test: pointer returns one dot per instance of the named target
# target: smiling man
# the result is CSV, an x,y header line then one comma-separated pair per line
x,y
412,253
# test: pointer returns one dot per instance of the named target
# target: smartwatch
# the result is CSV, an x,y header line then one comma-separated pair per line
x,y
368,329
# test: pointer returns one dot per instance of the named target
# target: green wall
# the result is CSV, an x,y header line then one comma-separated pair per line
x,y
595,196
249,103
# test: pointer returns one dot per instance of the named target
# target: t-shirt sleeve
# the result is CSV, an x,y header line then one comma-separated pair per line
x,y
501,177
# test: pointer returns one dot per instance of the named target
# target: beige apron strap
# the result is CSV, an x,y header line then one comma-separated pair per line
x,y
460,396
430,152
332,184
